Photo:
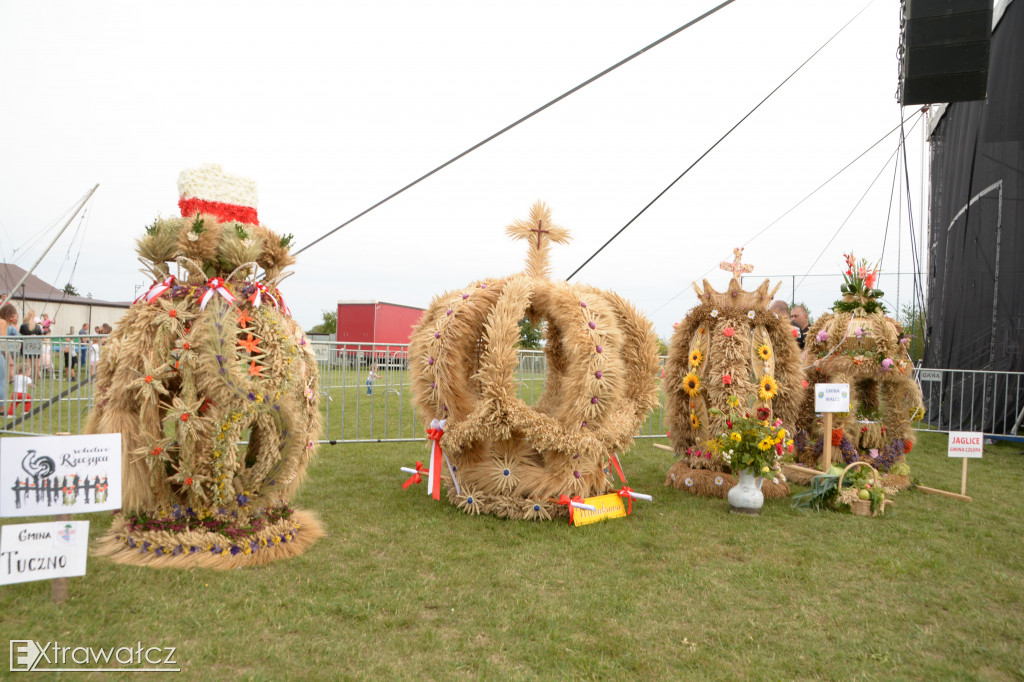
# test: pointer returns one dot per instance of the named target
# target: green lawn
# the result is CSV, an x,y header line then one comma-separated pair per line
x,y
405,587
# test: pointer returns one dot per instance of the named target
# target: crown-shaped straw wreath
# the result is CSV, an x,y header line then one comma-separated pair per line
x,y
214,389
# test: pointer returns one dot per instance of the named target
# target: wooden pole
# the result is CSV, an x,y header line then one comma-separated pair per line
x,y
663,447
963,480
826,450
944,493
59,586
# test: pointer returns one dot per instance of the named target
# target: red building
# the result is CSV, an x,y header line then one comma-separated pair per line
x,y
376,328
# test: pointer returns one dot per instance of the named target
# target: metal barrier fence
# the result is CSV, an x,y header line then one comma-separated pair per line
x,y
366,396
972,400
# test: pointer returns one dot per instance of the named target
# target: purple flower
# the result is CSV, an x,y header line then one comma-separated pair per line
x,y
822,336
859,332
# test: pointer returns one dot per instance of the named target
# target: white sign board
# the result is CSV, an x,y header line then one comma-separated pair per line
x,y
41,551
831,397
966,443
46,475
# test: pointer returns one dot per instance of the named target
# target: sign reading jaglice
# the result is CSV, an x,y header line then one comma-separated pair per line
x,y
40,551
831,397
966,444
45,475
608,507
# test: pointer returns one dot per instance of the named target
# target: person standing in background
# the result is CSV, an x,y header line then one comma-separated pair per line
x,y
31,349
9,323
799,317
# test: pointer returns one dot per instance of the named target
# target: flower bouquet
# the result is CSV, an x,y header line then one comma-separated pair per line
x,y
754,444
858,287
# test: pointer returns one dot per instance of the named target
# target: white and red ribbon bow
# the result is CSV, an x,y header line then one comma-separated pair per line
x,y
434,434
215,285
155,290
257,296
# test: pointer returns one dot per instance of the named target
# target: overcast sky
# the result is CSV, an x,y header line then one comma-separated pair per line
x,y
331,106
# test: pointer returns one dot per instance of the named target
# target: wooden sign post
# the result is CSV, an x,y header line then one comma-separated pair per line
x,y
829,398
968,445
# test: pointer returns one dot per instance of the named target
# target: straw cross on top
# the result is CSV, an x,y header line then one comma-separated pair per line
x,y
736,267
546,231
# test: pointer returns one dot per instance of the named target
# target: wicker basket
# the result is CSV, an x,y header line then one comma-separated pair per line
x,y
863,507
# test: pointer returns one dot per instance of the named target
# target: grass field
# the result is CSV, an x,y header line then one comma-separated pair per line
x,y
407,588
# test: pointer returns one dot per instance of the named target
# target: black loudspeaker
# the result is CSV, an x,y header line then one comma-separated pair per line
x,y
944,46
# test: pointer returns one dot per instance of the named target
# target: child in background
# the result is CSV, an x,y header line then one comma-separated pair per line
x,y
21,384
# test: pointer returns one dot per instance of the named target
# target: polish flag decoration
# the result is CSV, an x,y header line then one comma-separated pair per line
x,y
208,189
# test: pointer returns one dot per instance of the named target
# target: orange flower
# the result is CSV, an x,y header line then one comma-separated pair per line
x,y
172,312
243,318
184,416
149,379
156,451
255,370
185,346
188,481
250,344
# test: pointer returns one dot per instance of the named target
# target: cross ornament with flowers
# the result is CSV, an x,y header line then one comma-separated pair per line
x,y
736,267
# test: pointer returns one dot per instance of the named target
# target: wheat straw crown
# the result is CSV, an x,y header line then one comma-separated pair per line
x,y
510,458
729,344
214,388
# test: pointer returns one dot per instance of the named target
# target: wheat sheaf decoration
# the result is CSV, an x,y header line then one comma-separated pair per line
x,y
214,389
730,347
513,459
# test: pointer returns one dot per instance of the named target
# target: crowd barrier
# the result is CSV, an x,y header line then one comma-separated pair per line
x,y
365,392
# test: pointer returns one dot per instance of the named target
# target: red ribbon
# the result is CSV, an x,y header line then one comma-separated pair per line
x,y
415,478
257,296
155,290
615,462
284,308
436,453
565,499
215,285
625,492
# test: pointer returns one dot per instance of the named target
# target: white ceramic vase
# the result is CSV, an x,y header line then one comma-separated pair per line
x,y
746,497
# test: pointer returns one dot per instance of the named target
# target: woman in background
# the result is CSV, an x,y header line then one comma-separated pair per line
x,y
9,325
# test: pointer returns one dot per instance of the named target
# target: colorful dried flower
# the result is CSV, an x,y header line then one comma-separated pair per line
x,y
691,384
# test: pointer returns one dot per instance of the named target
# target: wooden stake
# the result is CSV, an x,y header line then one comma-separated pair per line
x,y
663,447
944,493
826,450
59,586
963,480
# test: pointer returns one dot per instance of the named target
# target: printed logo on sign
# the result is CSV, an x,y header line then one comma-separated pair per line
x,y
30,656
24,655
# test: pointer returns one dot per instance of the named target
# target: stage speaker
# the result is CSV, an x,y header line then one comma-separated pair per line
x,y
944,46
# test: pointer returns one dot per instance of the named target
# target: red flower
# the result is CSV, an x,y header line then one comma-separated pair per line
x,y
763,413
149,379
172,312
728,423
727,379
908,445
796,334
837,436
156,451
184,416
804,382
185,346
188,481
729,331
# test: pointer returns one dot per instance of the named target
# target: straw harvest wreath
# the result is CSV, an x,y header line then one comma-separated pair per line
x,y
203,360
730,344
859,345
506,457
